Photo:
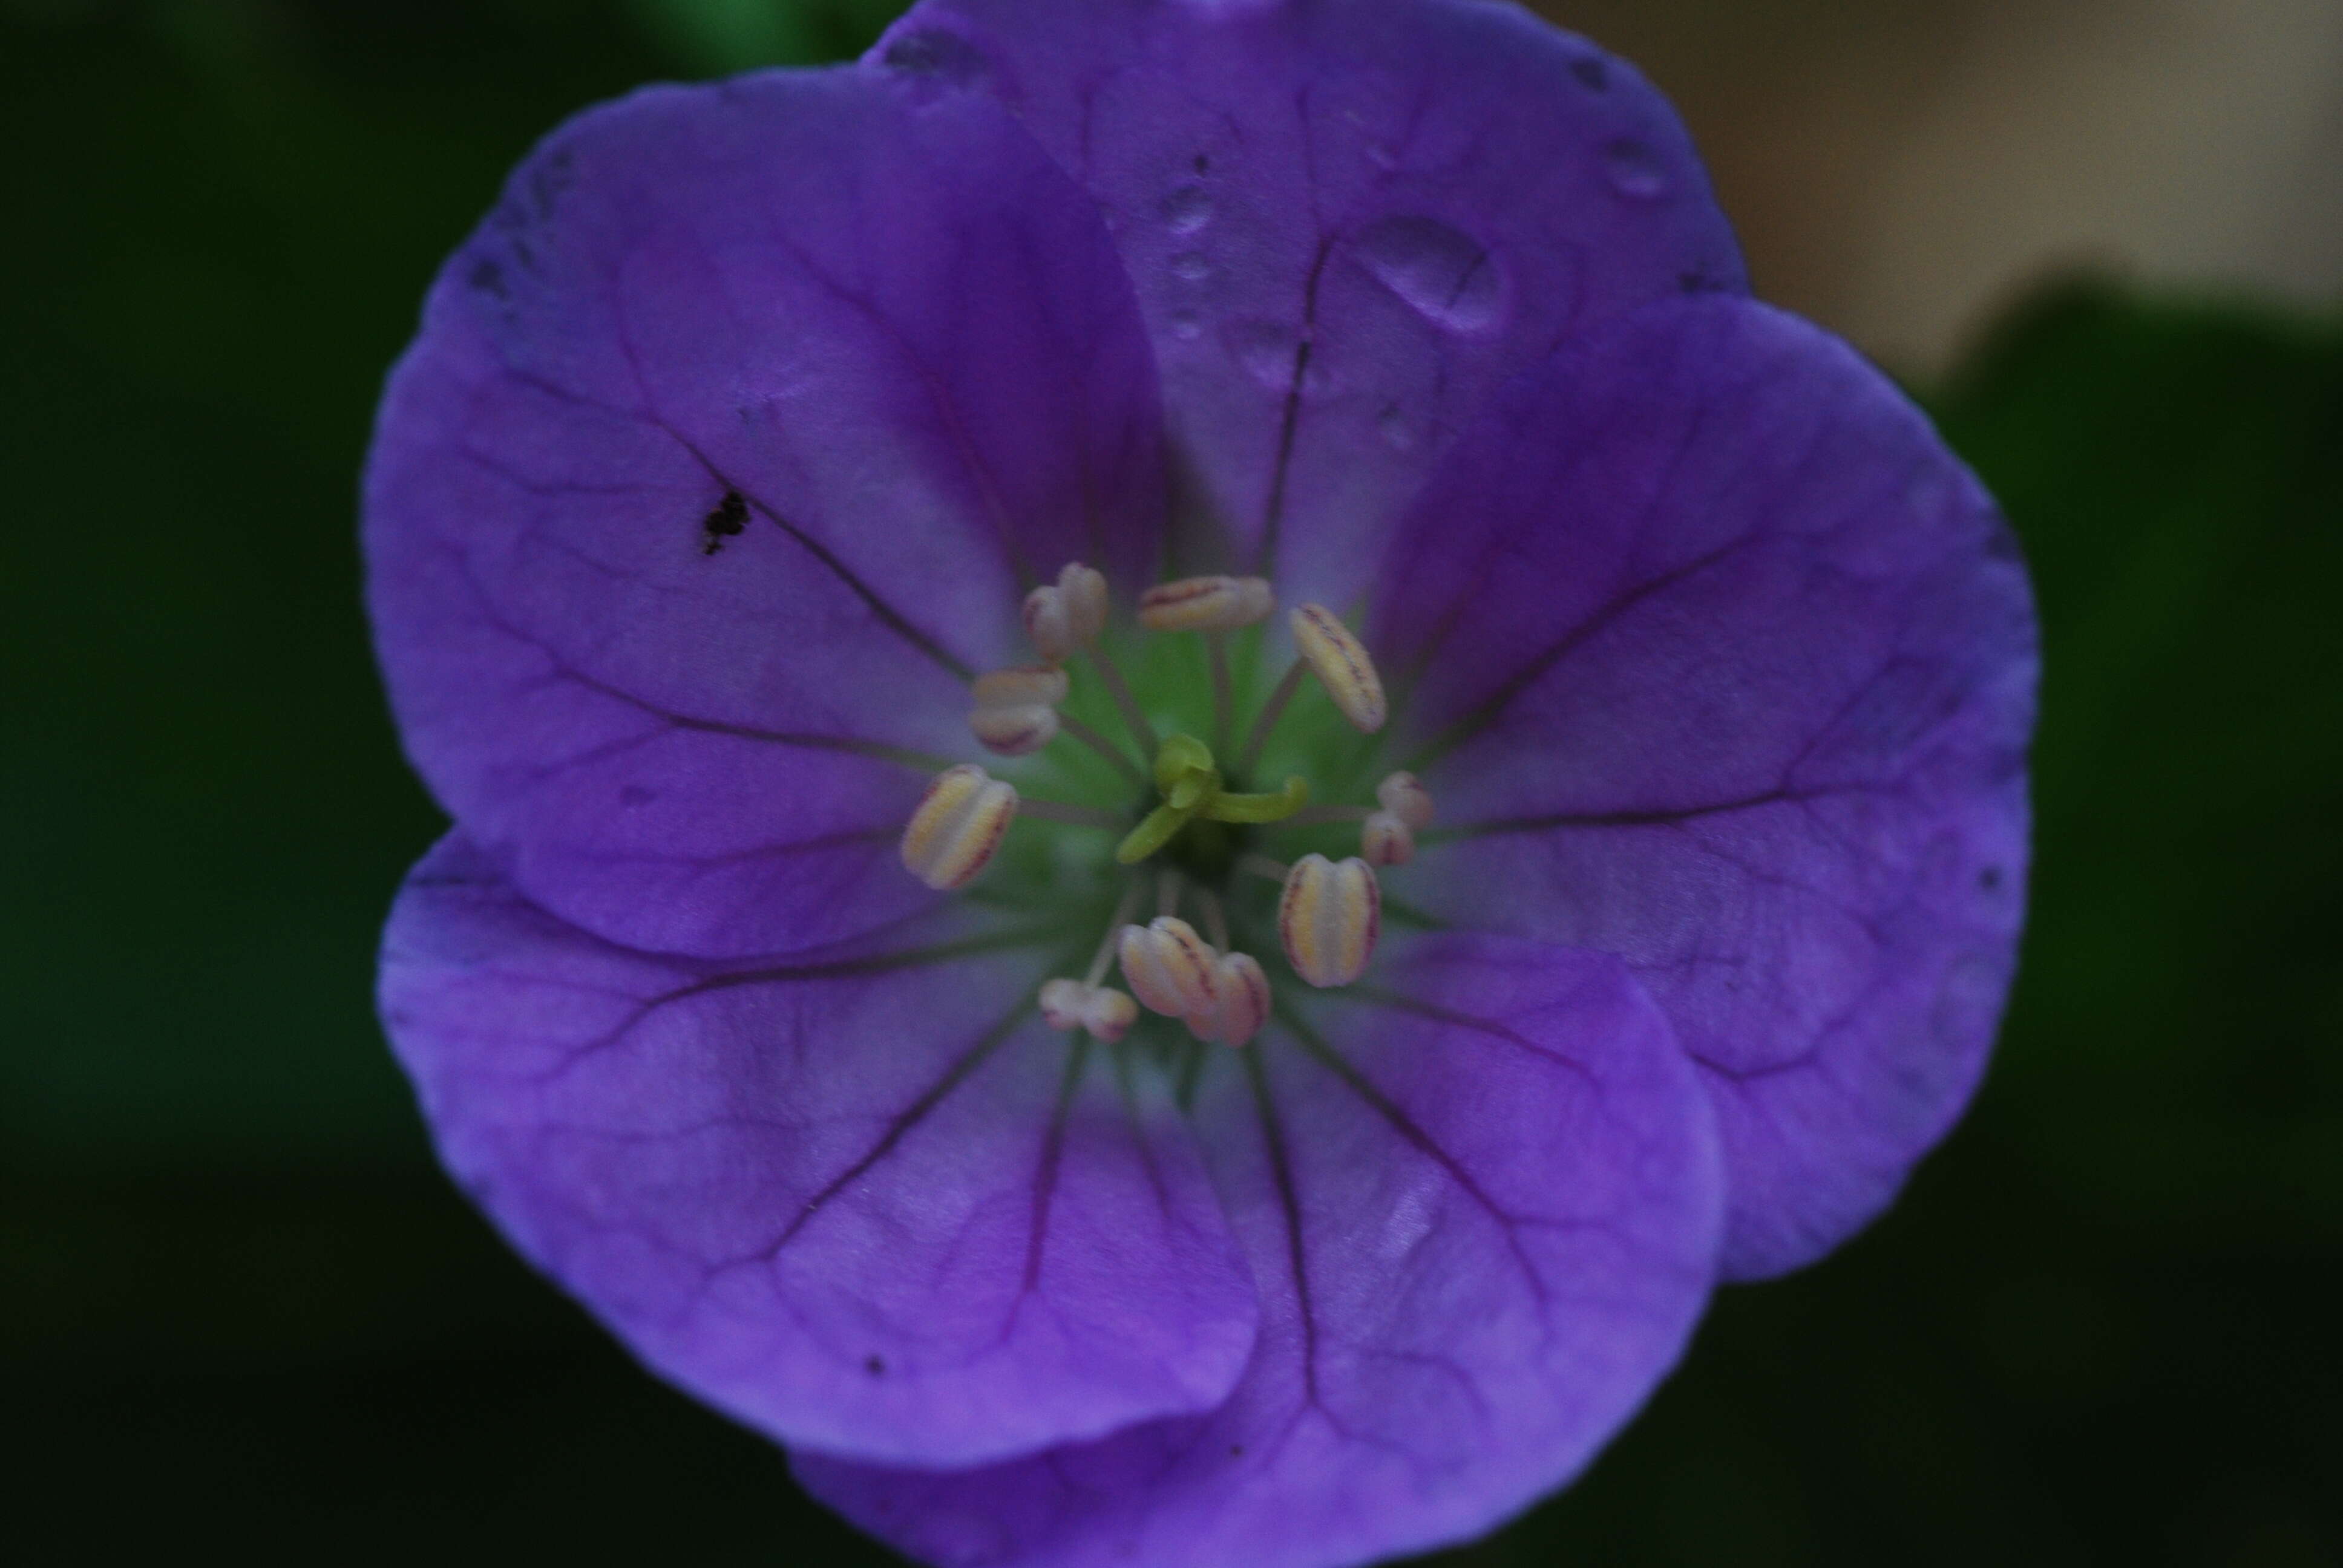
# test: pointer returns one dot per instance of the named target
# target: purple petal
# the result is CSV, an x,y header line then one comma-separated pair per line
x,y
1347,222
890,347
1483,1220
1728,667
862,1201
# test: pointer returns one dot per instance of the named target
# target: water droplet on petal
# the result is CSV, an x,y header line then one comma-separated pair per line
x,y
1392,427
1265,350
1446,274
1187,209
1634,170
1191,265
1186,326
1268,352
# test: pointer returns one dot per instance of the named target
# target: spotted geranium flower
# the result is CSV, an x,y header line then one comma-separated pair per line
x,y
1186,770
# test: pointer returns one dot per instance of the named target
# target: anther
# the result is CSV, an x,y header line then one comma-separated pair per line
x,y
1240,1001
1106,1012
1340,662
1405,797
1328,918
1385,840
958,825
1206,604
1169,968
1016,709
1068,615
1388,836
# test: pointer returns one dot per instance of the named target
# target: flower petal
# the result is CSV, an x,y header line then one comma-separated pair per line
x,y
1348,221
1483,1220
1727,667
864,1200
727,450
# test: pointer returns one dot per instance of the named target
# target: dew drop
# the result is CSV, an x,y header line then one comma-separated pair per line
x,y
1633,169
1186,326
1441,271
1392,427
1265,350
1192,266
1187,209
1268,352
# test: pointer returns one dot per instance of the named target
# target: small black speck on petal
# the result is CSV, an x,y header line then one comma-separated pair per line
x,y
876,1365
1989,878
1591,70
730,516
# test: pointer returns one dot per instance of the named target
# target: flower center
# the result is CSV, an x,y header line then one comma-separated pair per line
x,y
1132,808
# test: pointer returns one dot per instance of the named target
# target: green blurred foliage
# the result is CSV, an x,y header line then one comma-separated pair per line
x,y
238,1303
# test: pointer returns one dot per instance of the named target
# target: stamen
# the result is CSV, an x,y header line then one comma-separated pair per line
x,y
1167,967
1340,663
957,826
1206,604
1067,812
1405,797
1385,840
1107,1013
1328,918
1241,1002
1068,616
1270,711
1389,836
1216,919
1104,747
1124,908
1016,709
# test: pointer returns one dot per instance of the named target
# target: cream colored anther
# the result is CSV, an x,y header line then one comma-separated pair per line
x,y
1240,1001
1016,709
1340,662
958,825
1388,838
1063,616
1385,840
1106,1012
1405,797
1206,604
1169,968
1328,918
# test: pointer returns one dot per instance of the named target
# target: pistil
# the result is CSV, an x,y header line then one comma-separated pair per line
x,y
1328,913
1191,788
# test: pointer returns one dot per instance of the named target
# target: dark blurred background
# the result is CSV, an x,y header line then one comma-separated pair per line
x,y
240,1308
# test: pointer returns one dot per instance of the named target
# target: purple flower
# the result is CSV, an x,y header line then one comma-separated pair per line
x,y
1597,876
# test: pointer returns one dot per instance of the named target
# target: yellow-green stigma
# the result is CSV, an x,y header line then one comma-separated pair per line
x,y
1191,787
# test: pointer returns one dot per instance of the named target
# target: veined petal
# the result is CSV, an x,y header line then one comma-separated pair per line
x,y
1347,221
864,1200
729,448
1482,1207
1722,663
